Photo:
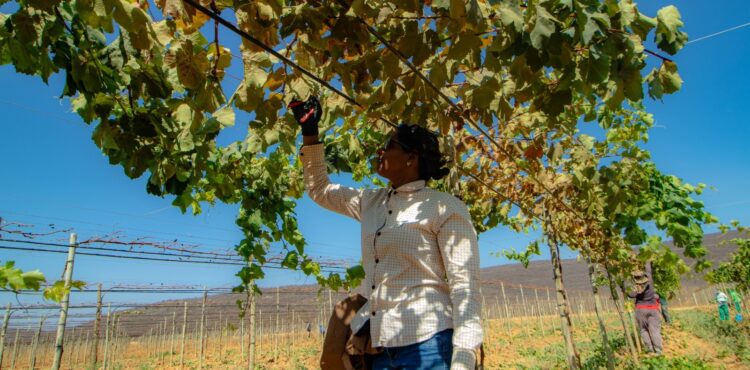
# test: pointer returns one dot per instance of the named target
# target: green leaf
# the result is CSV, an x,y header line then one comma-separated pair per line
x,y
250,274
441,4
466,44
291,260
665,80
597,66
14,279
33,279
593,23
643,25
57,291
544,26
633,84
457,9
628,12
669,37
511,16
525,257
310,267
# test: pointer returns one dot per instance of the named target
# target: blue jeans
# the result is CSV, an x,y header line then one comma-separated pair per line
x,y
432,354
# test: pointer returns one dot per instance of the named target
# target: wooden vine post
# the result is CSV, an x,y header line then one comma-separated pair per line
x,y
97,327
201,339
35,344
182,337
14,354
105,355
60,337
252,330
276,331
6,319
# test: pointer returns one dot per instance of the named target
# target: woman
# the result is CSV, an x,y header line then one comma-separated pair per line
x,y
419,250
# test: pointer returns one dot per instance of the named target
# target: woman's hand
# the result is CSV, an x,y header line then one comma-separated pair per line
x,y
308,115
463,359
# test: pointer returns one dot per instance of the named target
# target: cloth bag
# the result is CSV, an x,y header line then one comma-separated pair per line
x,y
344,350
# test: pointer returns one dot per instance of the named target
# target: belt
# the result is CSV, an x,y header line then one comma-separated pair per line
x,y
648,306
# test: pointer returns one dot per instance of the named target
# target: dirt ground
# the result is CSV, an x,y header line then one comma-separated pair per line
x,y
519,343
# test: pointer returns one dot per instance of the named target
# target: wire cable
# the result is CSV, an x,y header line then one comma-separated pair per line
x,y
28,249
718,33
209,257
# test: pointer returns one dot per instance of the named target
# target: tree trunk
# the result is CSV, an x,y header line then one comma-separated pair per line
x,y
621,314
600,319
574,360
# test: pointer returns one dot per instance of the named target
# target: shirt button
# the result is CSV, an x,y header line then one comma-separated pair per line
x,y
373,313
301,154
390,212
378,234
373,287
377,260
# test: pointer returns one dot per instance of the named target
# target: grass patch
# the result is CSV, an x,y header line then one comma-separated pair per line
x,y
730,337
598,358
662,363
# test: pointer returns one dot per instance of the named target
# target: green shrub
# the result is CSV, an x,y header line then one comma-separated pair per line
x,y
662,363
598,360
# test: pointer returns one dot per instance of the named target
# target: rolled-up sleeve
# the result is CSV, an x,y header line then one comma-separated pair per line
x,y
457,240
334,197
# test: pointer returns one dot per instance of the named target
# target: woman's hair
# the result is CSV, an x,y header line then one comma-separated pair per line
x,y
425,143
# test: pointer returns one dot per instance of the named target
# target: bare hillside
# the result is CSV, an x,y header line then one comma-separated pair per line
x,y
298,305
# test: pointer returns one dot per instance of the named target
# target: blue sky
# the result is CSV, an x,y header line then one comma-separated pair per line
x,y
54,174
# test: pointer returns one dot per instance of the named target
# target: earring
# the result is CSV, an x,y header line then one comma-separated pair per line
x,y
408,164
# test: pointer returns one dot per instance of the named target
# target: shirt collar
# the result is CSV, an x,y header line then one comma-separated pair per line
x,y
410,187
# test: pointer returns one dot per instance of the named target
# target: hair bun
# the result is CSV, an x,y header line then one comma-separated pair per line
x,y
440,173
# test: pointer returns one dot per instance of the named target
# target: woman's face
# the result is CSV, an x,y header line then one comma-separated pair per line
x,y
392,159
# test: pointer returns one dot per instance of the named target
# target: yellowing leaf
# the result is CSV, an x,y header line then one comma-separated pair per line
x,y
191,69
301,88
225,116
225,56
164,31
